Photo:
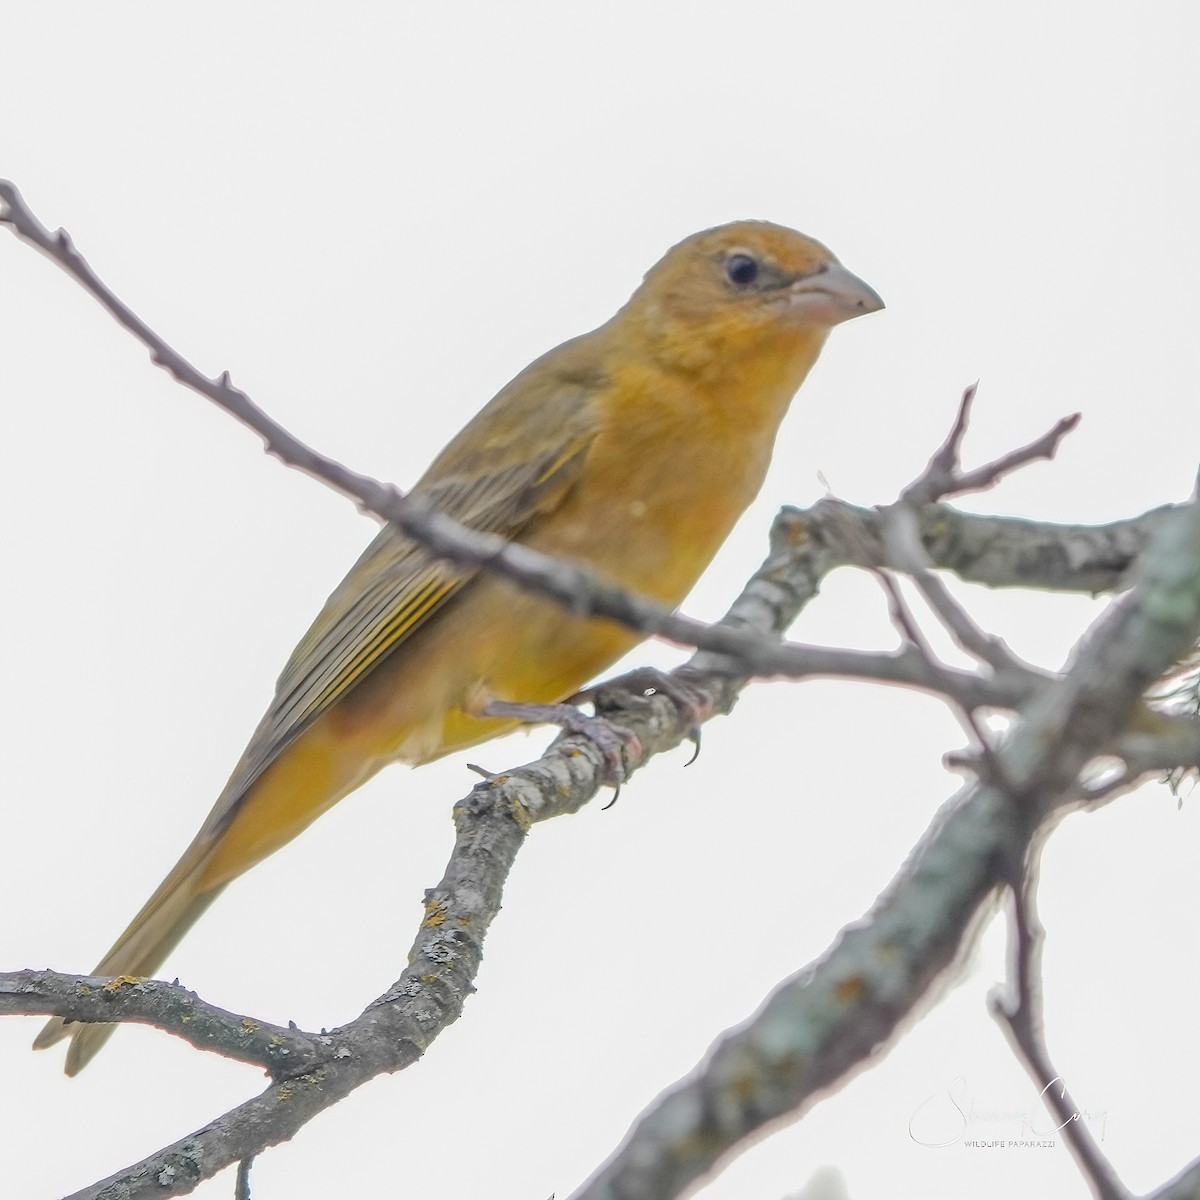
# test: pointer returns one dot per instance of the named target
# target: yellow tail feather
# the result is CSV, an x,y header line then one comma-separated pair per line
x,y
153,934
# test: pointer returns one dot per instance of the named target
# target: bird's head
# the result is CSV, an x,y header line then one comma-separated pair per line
x,y
741,290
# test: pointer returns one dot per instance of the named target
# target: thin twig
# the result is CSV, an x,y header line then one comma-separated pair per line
x,y
161,1005
901,536
241,1188
943,476
565,582
909,628
936,480
1045,447
899,543
1020,1016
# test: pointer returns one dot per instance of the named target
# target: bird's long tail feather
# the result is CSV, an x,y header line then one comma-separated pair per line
x,y
139,951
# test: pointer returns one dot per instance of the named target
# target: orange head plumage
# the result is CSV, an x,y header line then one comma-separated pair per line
x,y
735,292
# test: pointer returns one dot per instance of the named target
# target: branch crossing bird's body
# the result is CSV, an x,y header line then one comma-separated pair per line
x,y
632,449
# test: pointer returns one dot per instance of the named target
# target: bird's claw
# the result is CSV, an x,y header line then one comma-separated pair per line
x,y
620,747
691,702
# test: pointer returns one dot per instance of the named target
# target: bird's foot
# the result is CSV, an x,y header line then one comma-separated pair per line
x,y
693,704
619,746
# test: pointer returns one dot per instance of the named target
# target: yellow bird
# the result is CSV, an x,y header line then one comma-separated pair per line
x,y
632,450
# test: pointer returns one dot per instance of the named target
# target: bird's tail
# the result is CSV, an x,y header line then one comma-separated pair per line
x,y
139,951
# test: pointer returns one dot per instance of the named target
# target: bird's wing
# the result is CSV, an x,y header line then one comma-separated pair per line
x,y
495,481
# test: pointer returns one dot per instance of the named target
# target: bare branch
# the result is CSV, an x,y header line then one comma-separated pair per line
x,y
1045,447
241,1187
937,480
1020,1016
165,1006
1163,742
832,1017
901,526
907,624
571,585
829,1019
902,545
1006,552
1185,1185
568,584
943,476
396,1029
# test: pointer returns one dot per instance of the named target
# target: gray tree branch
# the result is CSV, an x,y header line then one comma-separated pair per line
x,y
565,582
833,1016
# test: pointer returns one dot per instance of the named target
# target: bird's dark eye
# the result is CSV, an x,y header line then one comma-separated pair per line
x,y
741,269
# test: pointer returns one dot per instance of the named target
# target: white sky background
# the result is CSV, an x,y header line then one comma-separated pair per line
x,y
373,216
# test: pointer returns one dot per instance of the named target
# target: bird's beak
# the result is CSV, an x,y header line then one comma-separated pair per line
x,y
833,295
